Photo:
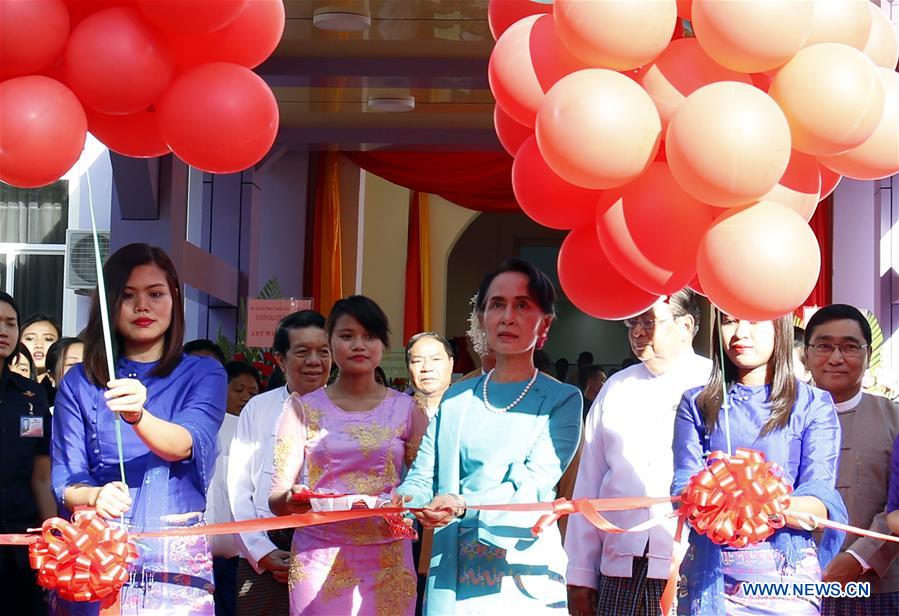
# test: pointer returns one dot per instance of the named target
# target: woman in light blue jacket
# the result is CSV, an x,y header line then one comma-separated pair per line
x,y
505,437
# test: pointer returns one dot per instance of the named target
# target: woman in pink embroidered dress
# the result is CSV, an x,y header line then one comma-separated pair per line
x,y
352,437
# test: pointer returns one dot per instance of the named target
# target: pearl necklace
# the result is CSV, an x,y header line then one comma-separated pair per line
x,y
520,397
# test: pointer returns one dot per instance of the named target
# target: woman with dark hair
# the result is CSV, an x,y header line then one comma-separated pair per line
x,y
39,332
354,437
22,363
768,410
62,355
504,437
24,467
173,405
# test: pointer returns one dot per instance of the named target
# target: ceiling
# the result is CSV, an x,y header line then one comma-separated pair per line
x,y
434,50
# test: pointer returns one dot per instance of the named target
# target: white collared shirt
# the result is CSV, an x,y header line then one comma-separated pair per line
x,y
849,404
250,466
627,452
217,507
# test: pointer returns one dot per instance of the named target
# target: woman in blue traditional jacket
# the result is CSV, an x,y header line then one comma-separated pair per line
x,y
505,437
173,405
767,409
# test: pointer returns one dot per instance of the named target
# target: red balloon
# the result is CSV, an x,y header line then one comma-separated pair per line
x,y
503,13
42,130
635,231
591,282
800,185
116,63
511,134
759,262
80,9
33,34
191,16
829,181
135,134
248,40
694,284
526,62
545,197
219,117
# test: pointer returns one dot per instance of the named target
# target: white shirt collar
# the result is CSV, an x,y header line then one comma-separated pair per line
x,y
849,404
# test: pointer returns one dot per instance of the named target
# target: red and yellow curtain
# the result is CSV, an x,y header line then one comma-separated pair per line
x,y
417,300
327,266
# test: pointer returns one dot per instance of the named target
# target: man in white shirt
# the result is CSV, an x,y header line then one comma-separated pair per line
x,y
627,452
301,350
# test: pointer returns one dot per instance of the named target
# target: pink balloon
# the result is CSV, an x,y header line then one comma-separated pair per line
x,y
591,282
42,130
33,34
528,60
635,230
545,197
511,134
760,262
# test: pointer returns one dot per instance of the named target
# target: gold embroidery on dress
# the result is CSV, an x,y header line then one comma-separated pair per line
x,y
395,584
282,451
297,573
314,472
370,436
339,578
313,422
364,532
365,482
390,476
410,451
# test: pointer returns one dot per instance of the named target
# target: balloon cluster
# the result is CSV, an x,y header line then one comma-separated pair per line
x,y
737,500
691,160
85,560
146,77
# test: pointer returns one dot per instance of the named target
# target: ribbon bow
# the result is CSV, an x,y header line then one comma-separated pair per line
x,y
85,560
736,500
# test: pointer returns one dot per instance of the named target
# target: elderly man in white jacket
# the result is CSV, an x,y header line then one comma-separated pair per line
x,y
627,452
302,351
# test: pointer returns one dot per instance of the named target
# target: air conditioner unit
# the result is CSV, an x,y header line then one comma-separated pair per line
x,y
81,269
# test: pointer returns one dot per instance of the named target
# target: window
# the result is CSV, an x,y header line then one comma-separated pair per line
x,y
33,224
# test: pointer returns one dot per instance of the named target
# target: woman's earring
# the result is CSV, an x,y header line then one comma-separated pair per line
x,y
541,340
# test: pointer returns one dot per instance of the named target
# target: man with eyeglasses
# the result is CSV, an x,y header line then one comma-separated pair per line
x,y
838,349
627,452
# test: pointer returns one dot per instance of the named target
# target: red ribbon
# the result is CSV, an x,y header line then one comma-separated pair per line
x,y
737,500
85,560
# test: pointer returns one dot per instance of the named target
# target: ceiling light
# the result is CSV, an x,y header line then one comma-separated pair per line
x,y
391,103
341,19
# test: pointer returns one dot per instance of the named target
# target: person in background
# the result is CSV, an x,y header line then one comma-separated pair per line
x,y
562,368
354,437
753,400
627,452
800,368
22,363
172,406
594,379
302,353
893,501
584,362
381,376
243,384
429,359
504,437
838,351
39,331
61,356
24,468
205,348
